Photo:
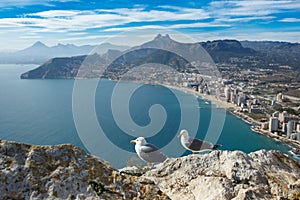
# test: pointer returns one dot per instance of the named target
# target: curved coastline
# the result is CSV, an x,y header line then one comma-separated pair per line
x,y
231,108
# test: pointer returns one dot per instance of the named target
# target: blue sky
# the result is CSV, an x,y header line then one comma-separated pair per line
x,y
23,22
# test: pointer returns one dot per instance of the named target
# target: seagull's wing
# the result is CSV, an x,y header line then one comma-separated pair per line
x,y
151,153
148,148
198,145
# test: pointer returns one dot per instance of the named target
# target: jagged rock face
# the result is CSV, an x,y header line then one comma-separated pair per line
x,y
65,172
228,175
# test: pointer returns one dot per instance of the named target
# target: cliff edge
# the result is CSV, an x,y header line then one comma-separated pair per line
x,y
67,172
224,175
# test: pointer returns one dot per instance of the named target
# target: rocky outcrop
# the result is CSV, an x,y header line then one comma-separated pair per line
x,y
67,172
229,175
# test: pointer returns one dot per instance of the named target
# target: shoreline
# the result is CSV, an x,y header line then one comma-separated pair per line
x,y
232,109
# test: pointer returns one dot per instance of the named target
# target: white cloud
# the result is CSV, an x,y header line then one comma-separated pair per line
x,y
180,13
74,20
73,25
31,37
90,37
21,3
199,25
55,13
244,19
224,10
226,13
290,20
173,26
77,33
122,29
252,35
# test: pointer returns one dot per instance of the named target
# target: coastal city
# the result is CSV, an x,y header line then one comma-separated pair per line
x,y
269,112
246,94
274,115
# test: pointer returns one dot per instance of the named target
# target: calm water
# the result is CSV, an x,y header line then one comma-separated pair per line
x,y
40,112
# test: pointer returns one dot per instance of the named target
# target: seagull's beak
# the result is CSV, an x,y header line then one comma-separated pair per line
x,y
133,141
179,135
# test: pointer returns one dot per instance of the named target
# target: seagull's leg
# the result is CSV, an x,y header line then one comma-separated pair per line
x,y
149,164
193,152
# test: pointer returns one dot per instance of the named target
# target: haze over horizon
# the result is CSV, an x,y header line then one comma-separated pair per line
x,y
82,22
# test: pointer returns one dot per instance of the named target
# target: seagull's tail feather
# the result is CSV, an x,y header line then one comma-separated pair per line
x,y
216,146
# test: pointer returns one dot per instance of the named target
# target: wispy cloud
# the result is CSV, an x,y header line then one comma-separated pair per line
x,y
178,13
220,18
173,26
22,3
290,20
217,14
90,37
70,20
224,10
245,19
54,13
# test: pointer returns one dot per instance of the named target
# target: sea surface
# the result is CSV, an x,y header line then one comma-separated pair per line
x,y
42,112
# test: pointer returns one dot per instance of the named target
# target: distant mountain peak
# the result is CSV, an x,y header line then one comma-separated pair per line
x,y
161,37
35,48
39,44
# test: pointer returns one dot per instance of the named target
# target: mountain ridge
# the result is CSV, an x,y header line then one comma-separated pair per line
x,y
220,52
39,52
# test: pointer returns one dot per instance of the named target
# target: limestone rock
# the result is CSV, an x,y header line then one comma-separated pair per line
x,y
228,175
65,172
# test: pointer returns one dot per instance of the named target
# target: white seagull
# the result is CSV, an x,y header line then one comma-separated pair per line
x,y
195,145
148,152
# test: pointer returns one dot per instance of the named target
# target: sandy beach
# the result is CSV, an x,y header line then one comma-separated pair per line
x,y
232,109
218,102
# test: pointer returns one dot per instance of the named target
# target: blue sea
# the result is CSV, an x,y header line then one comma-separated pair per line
x,y
103,116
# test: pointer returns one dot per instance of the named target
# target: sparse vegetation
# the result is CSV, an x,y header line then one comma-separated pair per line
x,y
257,117
296,196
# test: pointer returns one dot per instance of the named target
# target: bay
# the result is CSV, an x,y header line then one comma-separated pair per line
x,y
40,112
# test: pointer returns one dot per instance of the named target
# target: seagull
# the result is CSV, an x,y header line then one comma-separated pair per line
x,y
148,152
195,145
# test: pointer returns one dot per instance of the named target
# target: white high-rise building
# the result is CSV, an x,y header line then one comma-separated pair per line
x,y
273,124
284,127
283,117
279,97
298,128
290,127
235,91
232,97
227,92
298,136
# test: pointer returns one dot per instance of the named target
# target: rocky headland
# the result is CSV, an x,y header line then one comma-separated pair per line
x,y
67,172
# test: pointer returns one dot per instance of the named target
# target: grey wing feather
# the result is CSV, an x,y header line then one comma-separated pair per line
x,y
197,145
148,148
151,153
